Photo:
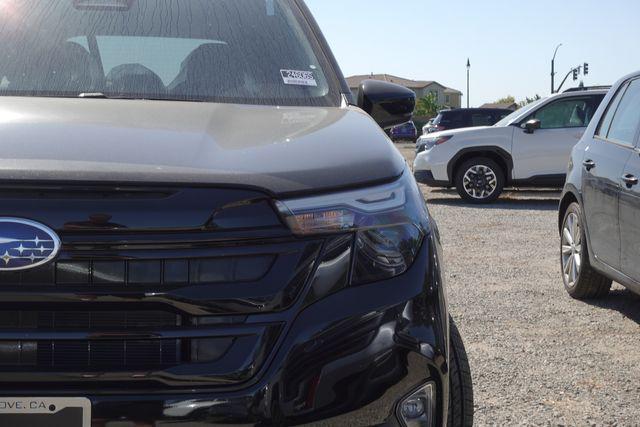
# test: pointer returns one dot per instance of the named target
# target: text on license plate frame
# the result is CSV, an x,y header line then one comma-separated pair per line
x,y
25,410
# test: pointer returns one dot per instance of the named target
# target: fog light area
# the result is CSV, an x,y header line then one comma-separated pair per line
x,y
418,409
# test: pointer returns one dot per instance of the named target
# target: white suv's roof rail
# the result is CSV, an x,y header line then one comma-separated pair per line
x,y
585,88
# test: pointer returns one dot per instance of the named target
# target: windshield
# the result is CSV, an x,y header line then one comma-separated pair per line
x,y
522,111
237,51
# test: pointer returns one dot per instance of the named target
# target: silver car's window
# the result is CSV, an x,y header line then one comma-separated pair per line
x,y
627,116
605,122
238,51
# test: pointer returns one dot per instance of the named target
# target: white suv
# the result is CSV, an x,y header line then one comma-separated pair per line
x,y
529,148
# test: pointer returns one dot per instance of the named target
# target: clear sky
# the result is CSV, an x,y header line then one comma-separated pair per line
x,y
510,42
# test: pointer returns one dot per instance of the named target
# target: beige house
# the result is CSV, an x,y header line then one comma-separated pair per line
x,y
445,96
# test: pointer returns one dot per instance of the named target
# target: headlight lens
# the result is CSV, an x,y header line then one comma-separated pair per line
x,y
432,142
389,222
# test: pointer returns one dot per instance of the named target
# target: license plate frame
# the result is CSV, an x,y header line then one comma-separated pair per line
x,y
45,411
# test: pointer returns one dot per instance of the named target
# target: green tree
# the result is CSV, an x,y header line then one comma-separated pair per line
x,y
427,106
506,100
528,100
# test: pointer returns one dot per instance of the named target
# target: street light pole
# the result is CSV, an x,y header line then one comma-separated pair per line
x,y
468,69
553,70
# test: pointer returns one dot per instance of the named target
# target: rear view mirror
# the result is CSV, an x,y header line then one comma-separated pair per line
x,y
389,104
531,126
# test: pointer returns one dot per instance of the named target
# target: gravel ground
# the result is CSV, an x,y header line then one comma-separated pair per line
x,y
537,356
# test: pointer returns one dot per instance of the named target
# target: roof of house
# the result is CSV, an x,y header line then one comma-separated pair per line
x,y
354,82
505,106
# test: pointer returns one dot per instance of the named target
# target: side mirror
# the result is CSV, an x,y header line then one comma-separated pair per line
x,y
389,104
531,126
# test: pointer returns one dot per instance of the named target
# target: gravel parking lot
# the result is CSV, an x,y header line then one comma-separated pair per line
x,y
537,356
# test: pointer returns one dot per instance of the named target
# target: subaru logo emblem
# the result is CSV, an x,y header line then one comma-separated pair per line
x,y
26,244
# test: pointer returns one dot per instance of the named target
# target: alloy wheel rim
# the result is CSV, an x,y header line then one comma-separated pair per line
x,y
571,249
480,181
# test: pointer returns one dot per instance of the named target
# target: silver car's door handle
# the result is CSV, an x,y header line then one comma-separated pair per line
x,y
589,164
630,180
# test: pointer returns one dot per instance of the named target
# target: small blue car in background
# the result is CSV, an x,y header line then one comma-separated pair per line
x,y
404,132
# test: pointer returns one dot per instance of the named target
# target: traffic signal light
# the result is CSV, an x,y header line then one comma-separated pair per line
x,y
586,68
575,74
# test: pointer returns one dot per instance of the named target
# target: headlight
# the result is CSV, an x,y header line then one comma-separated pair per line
x,y
432,142
389,223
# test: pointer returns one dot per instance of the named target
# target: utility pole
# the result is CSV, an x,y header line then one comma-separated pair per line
x,y
468,70
553,70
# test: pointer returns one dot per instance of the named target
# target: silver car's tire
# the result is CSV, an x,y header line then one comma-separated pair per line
x,y
580,280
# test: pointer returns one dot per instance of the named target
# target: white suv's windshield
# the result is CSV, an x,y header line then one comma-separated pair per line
x,y
518,113
240,51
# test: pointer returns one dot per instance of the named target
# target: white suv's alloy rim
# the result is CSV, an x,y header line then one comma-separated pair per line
x,y
571,249
480,182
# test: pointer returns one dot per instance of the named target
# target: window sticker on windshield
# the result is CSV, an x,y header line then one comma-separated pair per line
x,y
298,78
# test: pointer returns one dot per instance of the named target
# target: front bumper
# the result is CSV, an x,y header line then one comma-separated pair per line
x,y
348,359
430,167
426,177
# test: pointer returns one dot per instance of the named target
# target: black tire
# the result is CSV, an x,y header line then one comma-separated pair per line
x,y
460,384
483,163
589,284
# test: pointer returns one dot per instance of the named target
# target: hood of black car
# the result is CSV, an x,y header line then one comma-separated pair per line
x,y
282,150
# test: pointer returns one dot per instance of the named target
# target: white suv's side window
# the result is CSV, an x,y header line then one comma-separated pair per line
x,y
565,113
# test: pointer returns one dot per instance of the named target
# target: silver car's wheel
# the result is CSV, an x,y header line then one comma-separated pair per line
x,y
580,279
571,249
480,182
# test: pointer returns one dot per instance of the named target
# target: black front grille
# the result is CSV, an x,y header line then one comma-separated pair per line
x,y
152,287
81,356
108,315
88,355
146,272
87,320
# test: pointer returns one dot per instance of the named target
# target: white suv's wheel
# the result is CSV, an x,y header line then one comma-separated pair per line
x,y
479,180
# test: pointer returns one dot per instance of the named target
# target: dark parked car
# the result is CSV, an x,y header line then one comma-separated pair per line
x,y
404,132
199,226
600,207
465,118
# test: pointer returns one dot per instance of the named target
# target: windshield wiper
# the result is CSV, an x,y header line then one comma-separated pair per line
x,y
100,95
92,95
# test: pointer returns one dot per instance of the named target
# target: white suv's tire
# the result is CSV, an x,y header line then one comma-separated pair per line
x,y
479,180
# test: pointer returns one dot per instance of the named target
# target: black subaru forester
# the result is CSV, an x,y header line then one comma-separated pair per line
x,y
198,226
